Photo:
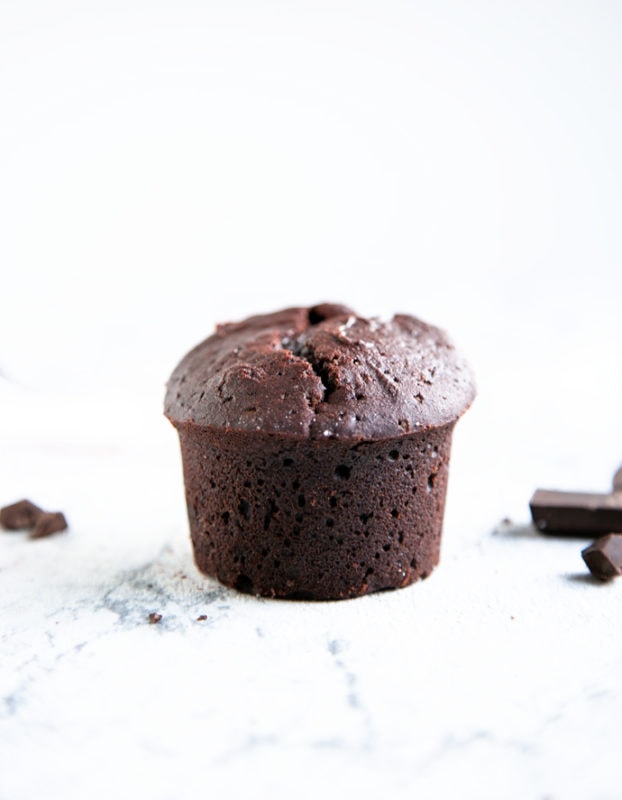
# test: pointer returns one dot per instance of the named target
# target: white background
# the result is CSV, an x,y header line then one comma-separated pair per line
x,y
168,165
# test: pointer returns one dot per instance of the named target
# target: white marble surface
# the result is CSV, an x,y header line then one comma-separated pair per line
x,y
169,165
499,676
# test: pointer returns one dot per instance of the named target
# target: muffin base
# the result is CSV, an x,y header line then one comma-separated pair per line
x,y
315,520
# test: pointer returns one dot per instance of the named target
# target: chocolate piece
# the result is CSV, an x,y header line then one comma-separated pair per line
x,y
604,556
20,515
49,523
315,447
154,618
327,310
617,481
201,617
576,513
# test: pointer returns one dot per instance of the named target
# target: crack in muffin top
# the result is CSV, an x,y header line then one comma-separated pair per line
x,y
321,373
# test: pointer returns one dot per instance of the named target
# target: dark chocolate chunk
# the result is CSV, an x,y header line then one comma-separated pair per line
x,y
327,310
617,481
49,523
201,617
576,513
154,618
20,515
604,556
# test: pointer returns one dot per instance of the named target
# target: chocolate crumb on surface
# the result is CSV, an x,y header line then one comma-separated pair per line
x,y
20,515
154,618
604,556
49,523
201,617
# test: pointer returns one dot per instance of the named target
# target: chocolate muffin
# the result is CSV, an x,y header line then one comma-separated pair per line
x,y
315,446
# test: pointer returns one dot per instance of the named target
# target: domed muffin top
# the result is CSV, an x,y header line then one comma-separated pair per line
x,y
321,372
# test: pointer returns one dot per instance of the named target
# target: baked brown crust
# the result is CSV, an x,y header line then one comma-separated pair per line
x,y
322,372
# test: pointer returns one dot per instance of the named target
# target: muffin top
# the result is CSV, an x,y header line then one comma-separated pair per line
x,y
321,372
